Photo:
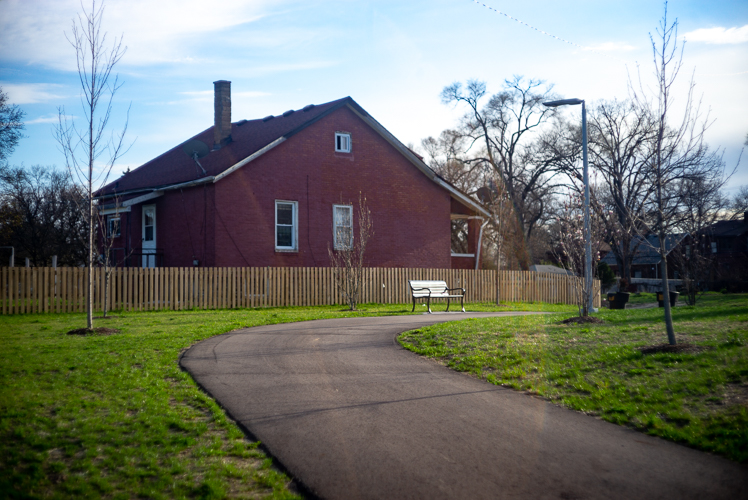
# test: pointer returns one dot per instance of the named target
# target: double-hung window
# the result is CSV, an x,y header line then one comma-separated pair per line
x,y
113,227
342,142
286,225
342,226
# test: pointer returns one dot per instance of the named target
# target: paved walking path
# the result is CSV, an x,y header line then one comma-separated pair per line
x,y
351,414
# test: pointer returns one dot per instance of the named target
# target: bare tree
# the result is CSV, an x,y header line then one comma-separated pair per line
x,y
39,215
569,245
109,229
620,140
739,205
11,125
348,249
498,134
680,152
91,151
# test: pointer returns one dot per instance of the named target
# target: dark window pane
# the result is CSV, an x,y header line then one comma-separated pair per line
x,y
285,236
460,236
148,233
285,213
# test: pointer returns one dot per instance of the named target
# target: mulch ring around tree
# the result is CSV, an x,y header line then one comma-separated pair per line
x,y
101,330
677,348
580,320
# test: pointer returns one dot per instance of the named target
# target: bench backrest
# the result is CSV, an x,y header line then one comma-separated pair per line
x,y
422,288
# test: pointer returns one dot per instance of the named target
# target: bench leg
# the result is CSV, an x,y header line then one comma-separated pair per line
x,y
462,303
428,301
414,304
447,304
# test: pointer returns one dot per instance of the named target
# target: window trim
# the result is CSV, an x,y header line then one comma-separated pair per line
x,y
294,226
347,137
334,227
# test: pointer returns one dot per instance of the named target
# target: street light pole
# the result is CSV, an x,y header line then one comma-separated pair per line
x,y
586,180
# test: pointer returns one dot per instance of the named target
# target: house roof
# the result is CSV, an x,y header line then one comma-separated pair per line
x,y
647,252
251,139
726,228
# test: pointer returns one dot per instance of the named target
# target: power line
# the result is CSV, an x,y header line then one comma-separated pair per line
x,y
563,40
530,26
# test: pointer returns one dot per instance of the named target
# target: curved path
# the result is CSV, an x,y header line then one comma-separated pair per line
x,y
351,414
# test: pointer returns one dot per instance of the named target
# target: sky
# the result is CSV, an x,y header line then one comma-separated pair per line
x,y
392,57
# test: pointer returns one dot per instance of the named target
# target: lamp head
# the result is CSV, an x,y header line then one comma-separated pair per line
x,y
563,102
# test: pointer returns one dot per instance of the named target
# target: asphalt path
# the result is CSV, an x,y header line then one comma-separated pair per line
x,y
351,414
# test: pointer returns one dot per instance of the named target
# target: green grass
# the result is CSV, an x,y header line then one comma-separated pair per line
x,y
699,399
115,417
643,298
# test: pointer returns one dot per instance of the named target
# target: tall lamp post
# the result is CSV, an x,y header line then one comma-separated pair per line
x,y
587,244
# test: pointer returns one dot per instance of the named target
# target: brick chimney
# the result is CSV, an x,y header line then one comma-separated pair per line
x,y
222,107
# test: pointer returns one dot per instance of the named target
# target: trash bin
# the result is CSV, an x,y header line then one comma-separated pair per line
x,y
611,300
673,298
618,300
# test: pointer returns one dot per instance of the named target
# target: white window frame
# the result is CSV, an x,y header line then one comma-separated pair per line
x,y
294,226
109,221
714,246
342,142
336,243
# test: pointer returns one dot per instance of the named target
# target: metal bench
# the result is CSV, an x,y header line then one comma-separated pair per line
x,y
433,289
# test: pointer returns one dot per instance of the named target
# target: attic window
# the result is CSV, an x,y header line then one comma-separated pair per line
x,y
240,123
342,142
288,113
308,107
268,118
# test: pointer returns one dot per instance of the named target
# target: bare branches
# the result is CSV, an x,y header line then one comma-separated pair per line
x,y
497,135
92,151
347,256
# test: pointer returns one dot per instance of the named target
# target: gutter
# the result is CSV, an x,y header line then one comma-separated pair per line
x,y
249,158
480,242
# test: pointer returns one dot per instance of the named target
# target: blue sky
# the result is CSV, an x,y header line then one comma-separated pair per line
x,y
392,57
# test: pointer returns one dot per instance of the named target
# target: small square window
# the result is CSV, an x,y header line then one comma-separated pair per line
x,y
342,226
342,142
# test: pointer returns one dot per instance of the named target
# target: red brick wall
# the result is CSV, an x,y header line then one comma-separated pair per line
x,y
184,228
410,213
232,222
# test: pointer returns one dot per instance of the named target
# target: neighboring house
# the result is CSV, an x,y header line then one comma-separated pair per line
x,y
274,192
725,243
646,263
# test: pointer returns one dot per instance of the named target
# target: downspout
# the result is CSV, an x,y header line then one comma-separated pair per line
x,y
480,242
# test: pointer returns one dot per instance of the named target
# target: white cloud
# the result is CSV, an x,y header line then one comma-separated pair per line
x,y
46,119
32,93
718,35
154,32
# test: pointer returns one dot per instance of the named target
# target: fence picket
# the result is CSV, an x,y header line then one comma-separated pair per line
x,y
55,290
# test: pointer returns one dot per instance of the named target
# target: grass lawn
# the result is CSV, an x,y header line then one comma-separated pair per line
x,y
698,398
115,417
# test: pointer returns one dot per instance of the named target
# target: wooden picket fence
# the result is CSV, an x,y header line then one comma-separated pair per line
x,y
58,290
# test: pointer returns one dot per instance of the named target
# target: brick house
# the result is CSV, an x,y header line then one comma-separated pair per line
x,y
722,249
274,191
